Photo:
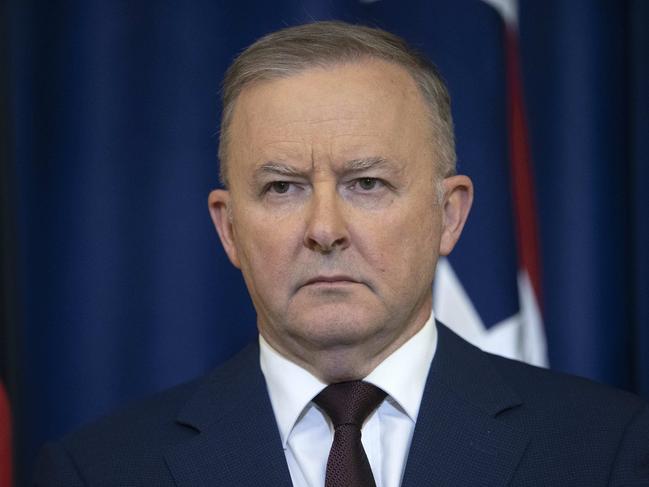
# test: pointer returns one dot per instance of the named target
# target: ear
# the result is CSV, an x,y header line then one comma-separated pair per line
x,y
458,197
220,207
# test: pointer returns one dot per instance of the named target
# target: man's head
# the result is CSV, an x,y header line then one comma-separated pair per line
x,y
337,208
321,44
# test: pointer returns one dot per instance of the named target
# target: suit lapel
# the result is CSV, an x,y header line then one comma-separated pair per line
x,y
238,442
458,439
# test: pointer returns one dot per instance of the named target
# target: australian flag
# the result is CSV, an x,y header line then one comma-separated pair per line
x,y
488,290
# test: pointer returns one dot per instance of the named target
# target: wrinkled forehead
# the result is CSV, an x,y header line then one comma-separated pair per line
x,y
351,104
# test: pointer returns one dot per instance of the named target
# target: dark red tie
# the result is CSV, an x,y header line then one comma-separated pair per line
x,y
348,404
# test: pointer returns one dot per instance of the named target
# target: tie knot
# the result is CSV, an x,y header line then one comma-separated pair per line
x,y
349,402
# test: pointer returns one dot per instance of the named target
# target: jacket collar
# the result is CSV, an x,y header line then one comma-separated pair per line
x,y
458,439
238,442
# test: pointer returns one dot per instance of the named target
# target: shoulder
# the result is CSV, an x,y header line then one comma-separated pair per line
x,y
145,421
575,428
132,442
539,390
114,447
576,423
564,392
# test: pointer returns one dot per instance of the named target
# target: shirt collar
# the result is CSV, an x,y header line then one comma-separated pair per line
x,y
402,375
290,387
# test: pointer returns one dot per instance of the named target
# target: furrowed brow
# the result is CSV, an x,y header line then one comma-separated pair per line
x,y
278,169
359,165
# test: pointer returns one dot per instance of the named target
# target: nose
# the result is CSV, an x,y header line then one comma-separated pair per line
x,y
326,228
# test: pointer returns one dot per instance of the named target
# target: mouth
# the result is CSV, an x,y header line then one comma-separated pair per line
x,y
335,280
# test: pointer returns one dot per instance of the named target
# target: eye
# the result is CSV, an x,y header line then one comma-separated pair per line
x,y
279,187
367,184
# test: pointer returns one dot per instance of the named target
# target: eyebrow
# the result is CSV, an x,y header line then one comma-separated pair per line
x,y
278,168
351,166
363,164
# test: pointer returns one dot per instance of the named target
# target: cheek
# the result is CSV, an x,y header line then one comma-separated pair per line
x,y
266,251
401,246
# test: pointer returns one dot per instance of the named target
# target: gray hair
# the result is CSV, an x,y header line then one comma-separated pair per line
x,y
290,51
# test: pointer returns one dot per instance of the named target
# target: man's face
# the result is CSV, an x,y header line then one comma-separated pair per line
x,y
333,214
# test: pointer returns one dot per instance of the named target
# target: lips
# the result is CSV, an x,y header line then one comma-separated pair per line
x,y
336,279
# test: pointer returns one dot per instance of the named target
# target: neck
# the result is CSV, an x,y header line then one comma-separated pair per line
x,y
346,362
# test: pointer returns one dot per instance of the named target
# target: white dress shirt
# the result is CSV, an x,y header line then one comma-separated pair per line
x,y
307,433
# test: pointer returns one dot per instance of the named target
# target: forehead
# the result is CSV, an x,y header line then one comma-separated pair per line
x,y
331,111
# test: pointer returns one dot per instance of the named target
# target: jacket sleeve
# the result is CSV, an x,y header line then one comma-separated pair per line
x,y
631,466
56,468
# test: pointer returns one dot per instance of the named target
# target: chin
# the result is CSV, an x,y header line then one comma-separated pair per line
x,y
337,331
338,369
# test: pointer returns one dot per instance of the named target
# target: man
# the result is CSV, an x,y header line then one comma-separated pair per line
x,y
338,161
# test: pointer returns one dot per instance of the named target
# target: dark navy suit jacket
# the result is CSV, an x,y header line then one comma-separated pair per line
x,y
483,421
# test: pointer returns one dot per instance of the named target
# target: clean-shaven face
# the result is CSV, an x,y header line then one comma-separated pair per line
x,y
332,213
